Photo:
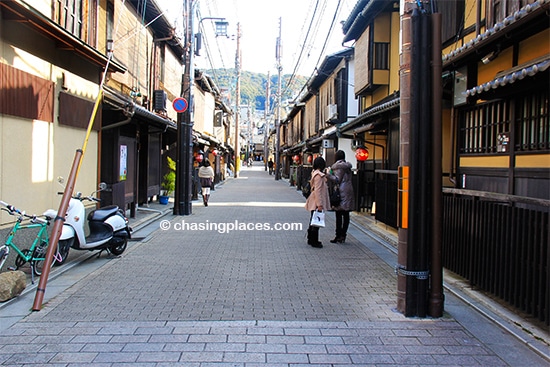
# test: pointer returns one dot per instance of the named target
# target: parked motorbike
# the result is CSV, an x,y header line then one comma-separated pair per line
x,y
109,230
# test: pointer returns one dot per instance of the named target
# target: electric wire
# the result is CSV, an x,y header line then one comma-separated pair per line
x,y
321,54
290,80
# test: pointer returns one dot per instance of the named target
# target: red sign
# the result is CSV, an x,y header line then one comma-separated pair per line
x,y
180,104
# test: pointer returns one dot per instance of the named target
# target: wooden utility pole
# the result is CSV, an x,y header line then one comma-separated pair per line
x,y
184,154
237,100
278,55
419,283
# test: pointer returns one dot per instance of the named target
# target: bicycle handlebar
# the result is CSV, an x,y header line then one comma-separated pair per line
x,y
12,210
78,196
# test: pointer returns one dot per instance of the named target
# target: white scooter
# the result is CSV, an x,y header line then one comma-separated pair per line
x,y
108,226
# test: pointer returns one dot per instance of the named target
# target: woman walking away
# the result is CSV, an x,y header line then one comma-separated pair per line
x,y
318,199
342,171
206,175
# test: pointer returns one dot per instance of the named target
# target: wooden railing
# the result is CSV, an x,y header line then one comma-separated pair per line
x,y
499,243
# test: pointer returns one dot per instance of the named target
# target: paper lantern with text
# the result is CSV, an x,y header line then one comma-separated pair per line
x,y
361,154
296,159
198,158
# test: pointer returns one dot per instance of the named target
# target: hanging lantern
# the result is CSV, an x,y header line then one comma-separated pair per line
x,y
361,154
215,153
198,158
309,158
296,159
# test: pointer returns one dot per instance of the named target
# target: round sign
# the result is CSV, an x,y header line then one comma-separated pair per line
x,y
180,104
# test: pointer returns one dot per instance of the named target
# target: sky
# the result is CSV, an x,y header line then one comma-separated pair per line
x,y
259,22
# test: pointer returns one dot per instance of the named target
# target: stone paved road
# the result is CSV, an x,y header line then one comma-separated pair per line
x,y
248,298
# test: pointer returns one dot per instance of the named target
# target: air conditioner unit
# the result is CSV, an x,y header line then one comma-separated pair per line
x,y
331,112
159,100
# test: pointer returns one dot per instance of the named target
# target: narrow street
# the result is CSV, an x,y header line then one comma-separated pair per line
x,y
240,295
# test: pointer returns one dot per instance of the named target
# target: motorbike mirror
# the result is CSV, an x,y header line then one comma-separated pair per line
x,y
102,186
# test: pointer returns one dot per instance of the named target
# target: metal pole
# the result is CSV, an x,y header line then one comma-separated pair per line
x,y
184,174
237,100
436,300
278,120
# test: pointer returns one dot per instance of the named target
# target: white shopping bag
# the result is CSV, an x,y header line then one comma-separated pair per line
x,y
318,219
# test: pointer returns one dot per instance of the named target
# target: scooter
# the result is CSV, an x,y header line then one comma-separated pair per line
x,y
109,230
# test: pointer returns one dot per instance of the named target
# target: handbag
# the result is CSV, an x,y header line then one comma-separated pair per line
x,y
318,219
306,190
334,195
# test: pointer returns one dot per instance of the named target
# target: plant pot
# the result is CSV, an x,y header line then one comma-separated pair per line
x,y
163,199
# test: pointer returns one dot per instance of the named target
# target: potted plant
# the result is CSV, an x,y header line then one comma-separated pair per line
x,y
168,184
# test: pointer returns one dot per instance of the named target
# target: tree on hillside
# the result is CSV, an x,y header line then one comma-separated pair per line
x,y
253,86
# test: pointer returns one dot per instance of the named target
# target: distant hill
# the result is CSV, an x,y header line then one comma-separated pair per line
x,y
253,86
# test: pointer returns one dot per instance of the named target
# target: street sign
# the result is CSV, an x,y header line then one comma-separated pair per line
x,y
180,104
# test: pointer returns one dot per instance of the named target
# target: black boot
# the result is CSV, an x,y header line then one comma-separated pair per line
x,y
313,237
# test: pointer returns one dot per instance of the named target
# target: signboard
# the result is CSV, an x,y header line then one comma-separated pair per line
x,y
180,104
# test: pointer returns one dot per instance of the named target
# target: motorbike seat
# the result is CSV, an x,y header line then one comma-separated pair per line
x,y
102,213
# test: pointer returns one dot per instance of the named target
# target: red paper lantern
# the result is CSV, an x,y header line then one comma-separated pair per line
x,y
198,158
296,158
215,153
361,154
309,159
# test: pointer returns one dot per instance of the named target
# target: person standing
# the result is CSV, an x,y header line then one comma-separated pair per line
x,y
270,166
318,199
342,171
206,176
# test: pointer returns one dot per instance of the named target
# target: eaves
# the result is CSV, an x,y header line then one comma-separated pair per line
x,y
20,11
152,14
512,29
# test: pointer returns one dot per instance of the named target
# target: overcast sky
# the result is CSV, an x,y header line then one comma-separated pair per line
x,y
259,20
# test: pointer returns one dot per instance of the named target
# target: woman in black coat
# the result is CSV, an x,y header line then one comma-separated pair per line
x,y
342,171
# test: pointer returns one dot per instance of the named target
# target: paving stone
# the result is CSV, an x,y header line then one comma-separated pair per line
x,y
246,299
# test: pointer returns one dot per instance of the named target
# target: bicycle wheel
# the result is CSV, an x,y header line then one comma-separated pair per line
x,y
4,252
39,257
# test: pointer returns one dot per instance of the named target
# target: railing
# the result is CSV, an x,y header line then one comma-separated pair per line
x,y
500,244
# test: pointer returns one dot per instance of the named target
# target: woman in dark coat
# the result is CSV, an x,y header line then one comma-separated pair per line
x,y
342,171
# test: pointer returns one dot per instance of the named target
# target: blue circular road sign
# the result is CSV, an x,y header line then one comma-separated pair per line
x,y
180,104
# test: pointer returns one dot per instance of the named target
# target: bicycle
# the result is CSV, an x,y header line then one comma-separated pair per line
x,y
36,254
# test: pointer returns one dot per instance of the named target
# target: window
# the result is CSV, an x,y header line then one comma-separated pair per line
x,y
381,56
452,18
497,10
532,123
482,126
110,23
69,16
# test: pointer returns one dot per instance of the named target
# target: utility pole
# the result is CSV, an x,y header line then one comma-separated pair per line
x,y
419,282
184,154
278,55
237,100
266,123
